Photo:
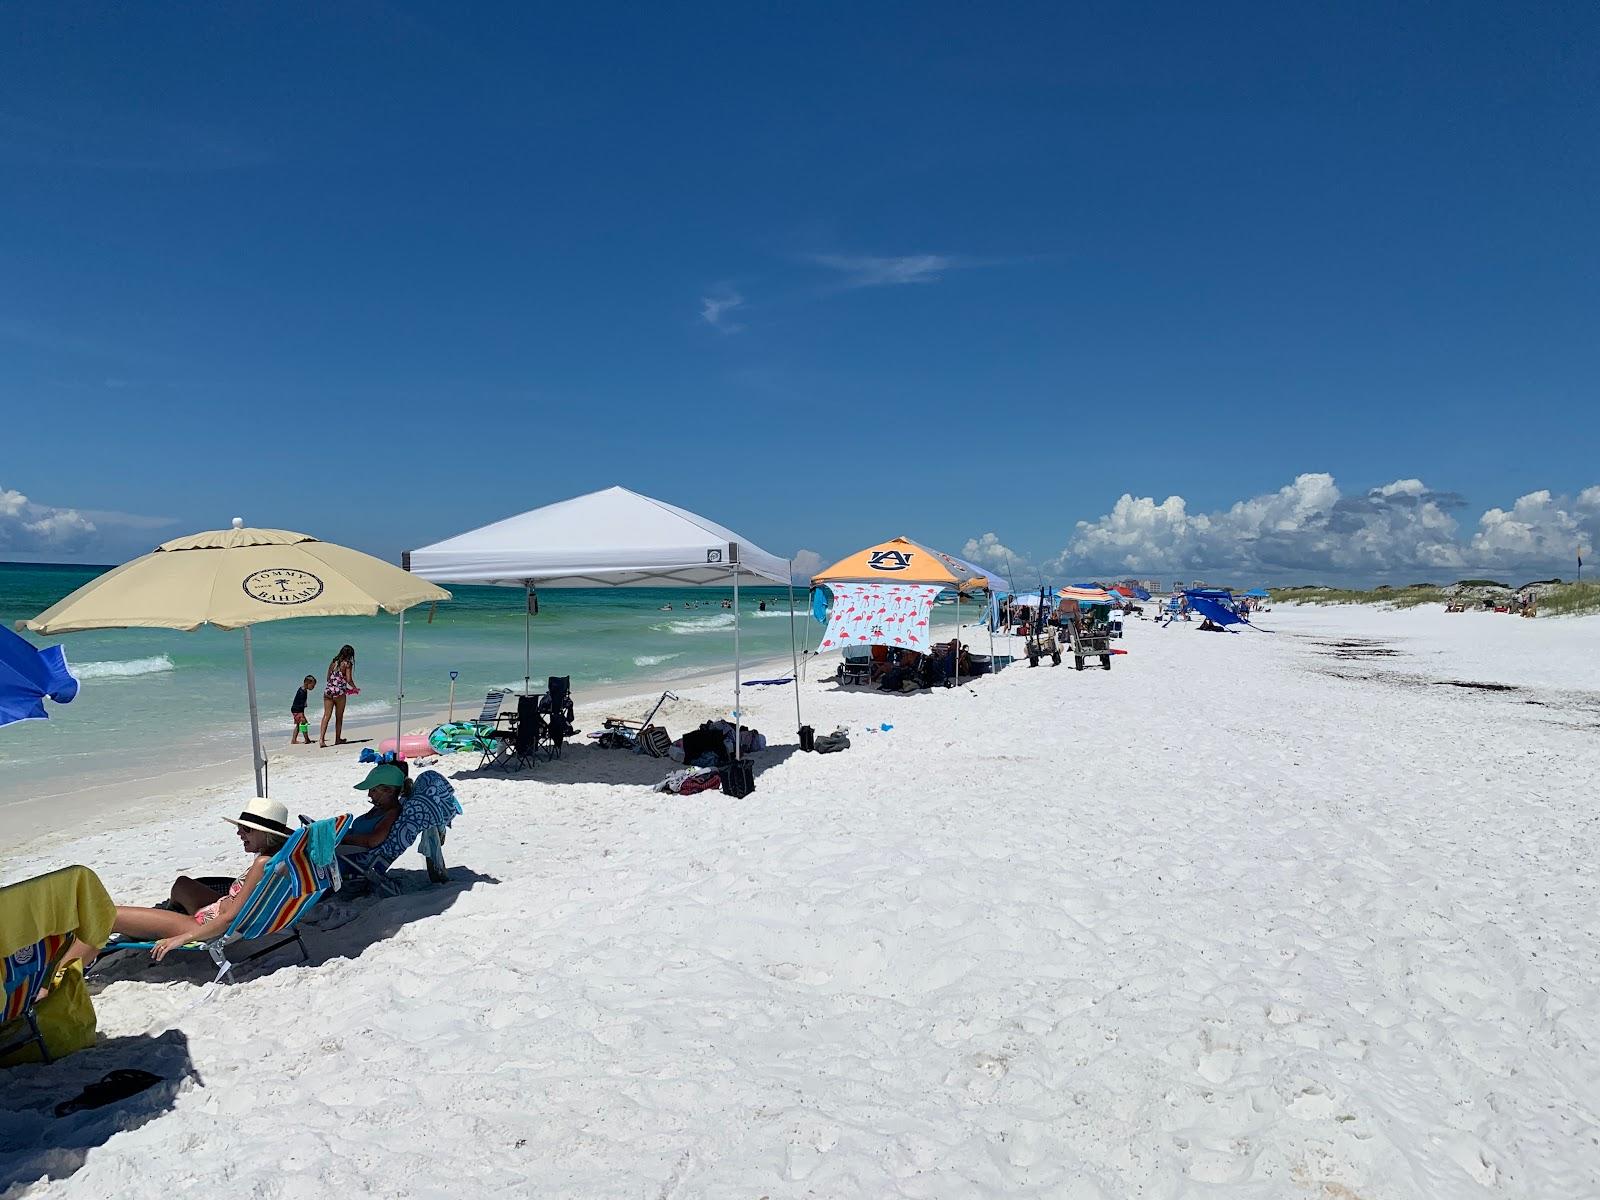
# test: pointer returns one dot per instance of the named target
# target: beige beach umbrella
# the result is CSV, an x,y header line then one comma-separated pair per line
x,y
236,578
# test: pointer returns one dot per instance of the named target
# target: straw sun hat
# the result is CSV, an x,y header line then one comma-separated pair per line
x,y
266,816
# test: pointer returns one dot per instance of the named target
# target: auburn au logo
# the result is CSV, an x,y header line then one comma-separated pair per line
x,y
889,560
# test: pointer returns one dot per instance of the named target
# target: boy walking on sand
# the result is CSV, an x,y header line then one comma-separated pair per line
x,y
297,710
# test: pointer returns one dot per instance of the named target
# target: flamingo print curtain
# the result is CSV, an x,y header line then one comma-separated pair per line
x,y
879,614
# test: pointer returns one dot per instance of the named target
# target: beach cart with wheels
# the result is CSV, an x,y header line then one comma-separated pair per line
x,y
1043,643
1088,640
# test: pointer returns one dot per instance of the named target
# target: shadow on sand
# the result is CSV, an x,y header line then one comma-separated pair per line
x,y
34,1142
588,763
338,928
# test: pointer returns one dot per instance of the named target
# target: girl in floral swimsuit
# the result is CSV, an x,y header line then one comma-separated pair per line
x,y
340,686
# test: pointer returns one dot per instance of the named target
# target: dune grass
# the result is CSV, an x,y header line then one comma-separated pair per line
x,y
1569,599
1402,597
1555,600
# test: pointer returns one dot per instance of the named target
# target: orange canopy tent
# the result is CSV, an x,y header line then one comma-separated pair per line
x,y
900,560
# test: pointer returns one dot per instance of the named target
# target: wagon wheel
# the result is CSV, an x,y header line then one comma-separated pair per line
x,y
1055,658
1077,661
1105,661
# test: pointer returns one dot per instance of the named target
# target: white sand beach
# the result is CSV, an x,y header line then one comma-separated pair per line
x,y
1303,915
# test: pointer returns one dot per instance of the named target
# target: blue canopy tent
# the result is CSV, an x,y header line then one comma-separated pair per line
x,y
1259,594
28,675
1215,611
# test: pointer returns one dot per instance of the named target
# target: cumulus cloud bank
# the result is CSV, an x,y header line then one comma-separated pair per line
x,y
29,528
804,565
45,531
1310,528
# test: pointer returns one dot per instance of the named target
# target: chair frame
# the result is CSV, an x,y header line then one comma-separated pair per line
x,y
29,1014
491,714
217,946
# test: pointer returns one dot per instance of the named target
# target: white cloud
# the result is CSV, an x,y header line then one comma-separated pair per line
x,y
43,531
715,310
804,565
989,551
1309,529
29,528
862,270
1541,530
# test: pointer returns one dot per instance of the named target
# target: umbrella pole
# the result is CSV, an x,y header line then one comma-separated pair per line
x,y
737,715
258,759
794,656
400,685
527,638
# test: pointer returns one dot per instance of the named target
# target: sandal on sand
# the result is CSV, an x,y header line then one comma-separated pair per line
x,y
118,1085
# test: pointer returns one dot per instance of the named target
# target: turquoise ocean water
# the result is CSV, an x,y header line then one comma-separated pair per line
x,y
152,695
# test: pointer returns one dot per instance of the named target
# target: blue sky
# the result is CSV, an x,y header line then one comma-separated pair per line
x,y
826,273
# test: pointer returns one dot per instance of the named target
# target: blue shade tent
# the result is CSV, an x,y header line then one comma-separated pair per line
x,y
1259,594
29,674
1141,593
1215,611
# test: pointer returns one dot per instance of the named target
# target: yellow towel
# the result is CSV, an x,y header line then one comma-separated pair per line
x,y
71,900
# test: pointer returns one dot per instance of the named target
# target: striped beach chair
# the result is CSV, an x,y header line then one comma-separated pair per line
x,y
25,974
39,920
290,887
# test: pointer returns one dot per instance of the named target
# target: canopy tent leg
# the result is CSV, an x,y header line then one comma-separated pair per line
x,y
400,685
958,636
794,656
738,736
259,760
527,638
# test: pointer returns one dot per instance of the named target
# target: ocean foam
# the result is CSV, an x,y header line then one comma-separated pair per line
x,y
651,660
708,624
125,668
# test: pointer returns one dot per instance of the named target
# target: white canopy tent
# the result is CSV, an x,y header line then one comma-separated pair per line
x,y
610,538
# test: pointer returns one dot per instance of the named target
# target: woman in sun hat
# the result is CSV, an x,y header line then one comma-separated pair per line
x,y
263,829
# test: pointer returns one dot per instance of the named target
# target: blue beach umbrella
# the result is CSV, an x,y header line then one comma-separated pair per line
x,y
29,674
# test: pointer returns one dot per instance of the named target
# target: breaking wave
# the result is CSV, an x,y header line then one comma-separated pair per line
x,y
123,668
709,624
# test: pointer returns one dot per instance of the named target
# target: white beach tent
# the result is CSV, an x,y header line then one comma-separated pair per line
x,y
610,538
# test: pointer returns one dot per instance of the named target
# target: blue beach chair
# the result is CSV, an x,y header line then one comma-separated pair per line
x,y
290,887
425,813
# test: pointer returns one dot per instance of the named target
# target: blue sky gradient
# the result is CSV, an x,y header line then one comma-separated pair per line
x,y
826,273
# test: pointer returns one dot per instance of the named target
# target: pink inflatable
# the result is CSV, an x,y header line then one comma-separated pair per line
x,y
412,745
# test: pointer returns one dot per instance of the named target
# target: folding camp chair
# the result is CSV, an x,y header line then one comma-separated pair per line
x,y
621,731
39,920
290,886
519,743
855,666
425,813
488,721
556,709
25,974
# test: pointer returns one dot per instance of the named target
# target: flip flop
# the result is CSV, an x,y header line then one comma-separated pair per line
x,y
117,1085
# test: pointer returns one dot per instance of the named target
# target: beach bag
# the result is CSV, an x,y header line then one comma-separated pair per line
x,y
832,743
705,781
739,778
655,741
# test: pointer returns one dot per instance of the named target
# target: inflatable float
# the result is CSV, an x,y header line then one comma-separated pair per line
x,y
412,745
457,737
